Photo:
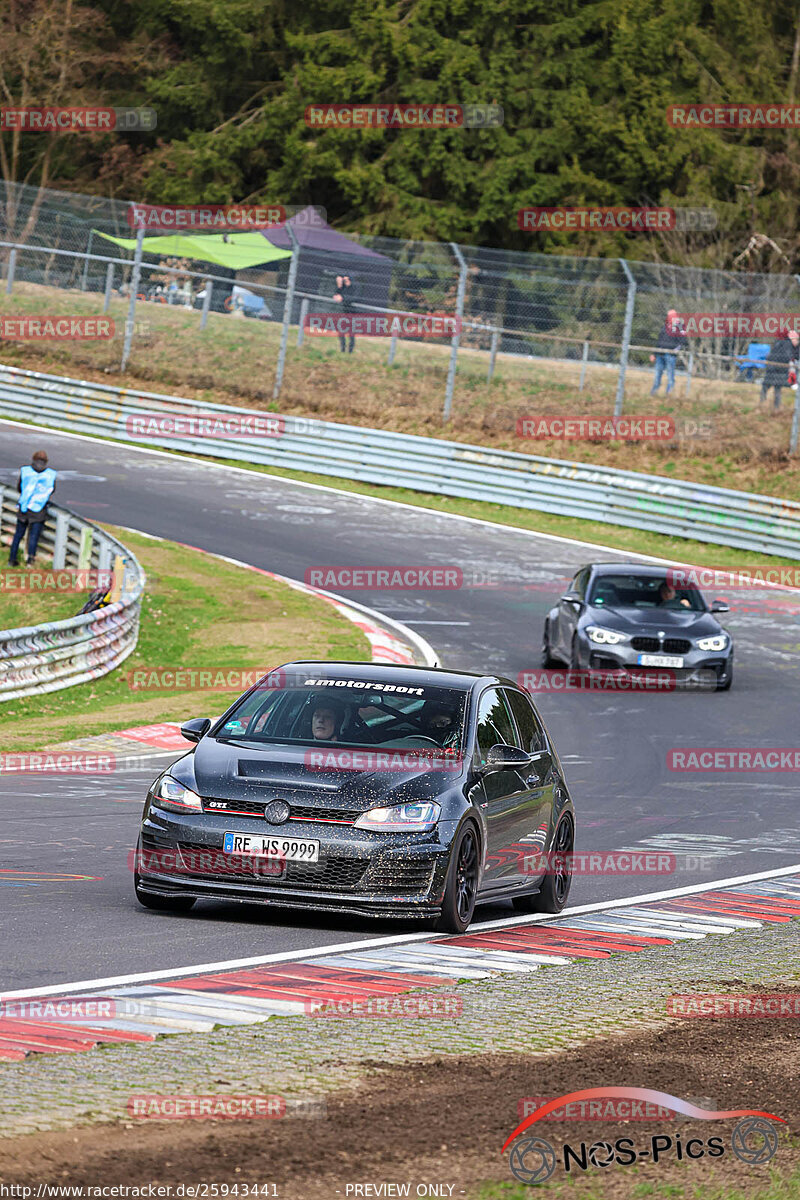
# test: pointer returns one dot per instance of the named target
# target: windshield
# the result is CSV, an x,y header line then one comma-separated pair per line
x,y
353,712
643,591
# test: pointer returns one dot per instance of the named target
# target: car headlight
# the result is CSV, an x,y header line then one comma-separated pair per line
x,y
403,818
718,642
171,794
605,637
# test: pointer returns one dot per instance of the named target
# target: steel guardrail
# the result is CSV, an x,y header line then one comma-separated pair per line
x,y
61,654
675,507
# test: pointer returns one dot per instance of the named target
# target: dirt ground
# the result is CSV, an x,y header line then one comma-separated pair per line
x,y
444,1124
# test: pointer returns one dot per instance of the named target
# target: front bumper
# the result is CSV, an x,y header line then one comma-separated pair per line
x,y
702,670
359,871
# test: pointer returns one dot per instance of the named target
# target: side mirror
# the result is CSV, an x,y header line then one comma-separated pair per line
x,y
196,728
572,598
719,606
502,758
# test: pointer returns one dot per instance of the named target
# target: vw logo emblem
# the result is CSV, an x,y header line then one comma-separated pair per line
x,y
277,812
754,1141
532,1161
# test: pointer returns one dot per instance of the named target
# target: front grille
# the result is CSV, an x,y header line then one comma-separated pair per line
x,y
332,875
248,807
298,812
401,877
651,645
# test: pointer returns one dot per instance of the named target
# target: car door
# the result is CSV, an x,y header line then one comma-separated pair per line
x,y
502,795
569,614
536,814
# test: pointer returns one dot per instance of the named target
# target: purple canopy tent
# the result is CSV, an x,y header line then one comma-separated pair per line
x,y
324,254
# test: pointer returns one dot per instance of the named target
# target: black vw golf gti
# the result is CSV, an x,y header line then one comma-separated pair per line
x,y
358,788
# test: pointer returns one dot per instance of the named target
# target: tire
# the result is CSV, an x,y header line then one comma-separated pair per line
x,y
547,659
461,889
554,891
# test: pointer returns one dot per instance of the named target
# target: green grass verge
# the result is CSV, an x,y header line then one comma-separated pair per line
x,y
19,609
198,614
680,1187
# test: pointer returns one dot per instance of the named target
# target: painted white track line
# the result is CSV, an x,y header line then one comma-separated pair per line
x,y
399,940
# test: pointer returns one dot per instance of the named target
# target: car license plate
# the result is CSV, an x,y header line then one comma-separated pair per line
x,y
290,849
660,660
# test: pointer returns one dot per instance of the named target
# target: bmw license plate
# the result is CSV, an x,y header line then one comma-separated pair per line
x,y
289,849
660,660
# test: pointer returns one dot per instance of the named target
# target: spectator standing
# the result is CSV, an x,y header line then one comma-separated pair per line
x,y
346,296
35,485
782,353
671,338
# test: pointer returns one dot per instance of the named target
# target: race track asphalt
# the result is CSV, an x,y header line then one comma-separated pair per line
x,y
614,746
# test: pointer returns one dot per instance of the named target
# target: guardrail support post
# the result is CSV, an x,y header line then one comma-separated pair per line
x,y
287,313
104,554
85,549
301,328
584,361
392,350
626,338
135,275
60,547
12,266
493,354
209,288
109,287
451,370
689,367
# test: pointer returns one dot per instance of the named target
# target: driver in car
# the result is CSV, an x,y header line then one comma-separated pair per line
x,y
440,724
669,598
326,720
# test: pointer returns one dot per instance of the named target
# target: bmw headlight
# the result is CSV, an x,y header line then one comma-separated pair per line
x,y
173,795
718,642
605,637
403,818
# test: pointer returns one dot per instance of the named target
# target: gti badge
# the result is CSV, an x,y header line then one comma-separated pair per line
x,y
277,812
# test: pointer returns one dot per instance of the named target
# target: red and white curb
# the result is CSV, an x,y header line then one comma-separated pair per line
x,y
79,1016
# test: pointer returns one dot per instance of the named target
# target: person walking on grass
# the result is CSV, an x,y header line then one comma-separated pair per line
x,y
783,353
35,485
671,338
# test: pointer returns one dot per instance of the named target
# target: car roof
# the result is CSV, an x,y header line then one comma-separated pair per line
x,y
628,568
397,673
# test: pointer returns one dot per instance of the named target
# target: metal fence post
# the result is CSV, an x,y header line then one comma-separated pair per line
x,y
795,423
392,350
109,287
303,314
287,312
86,261
12,266
689,367
451,370
209,288
60,547
137,270
626,338
493,354
584,361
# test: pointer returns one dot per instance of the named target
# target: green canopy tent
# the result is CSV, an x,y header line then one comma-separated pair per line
x,y
232,252
239,251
